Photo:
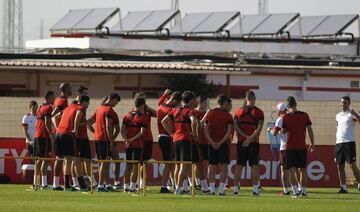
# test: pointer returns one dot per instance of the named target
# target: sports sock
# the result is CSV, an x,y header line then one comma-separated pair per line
x,y
285,189
358,185
212,187
100,186
56,183
94,181
75,181
189,181
222,187
197,181
186,185
204,185
256,188
141,182
34,180
172,181
236,188
259,184
44,181
117,183
126,186
344,187
132,186
295,189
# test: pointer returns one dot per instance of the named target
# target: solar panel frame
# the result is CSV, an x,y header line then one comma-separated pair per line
x,y
331,28
96,18
214,24
247,26
275,24
308,24
70,19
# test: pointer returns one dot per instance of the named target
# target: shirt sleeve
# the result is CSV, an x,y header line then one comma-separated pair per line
x,y
229,119
24,121
284,122
260,114
279,123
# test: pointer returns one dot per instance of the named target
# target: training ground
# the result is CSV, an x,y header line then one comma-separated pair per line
x,y
21,198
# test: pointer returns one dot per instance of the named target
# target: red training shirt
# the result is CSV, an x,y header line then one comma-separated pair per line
x,y
133,122
101,113
182,123
295,125
66,124
162,111
248,118
218,121
44,110
202,137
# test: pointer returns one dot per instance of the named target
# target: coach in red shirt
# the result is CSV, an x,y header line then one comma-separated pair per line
x,y
295,124
248,123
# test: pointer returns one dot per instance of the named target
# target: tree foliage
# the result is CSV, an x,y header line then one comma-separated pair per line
x,y
191,82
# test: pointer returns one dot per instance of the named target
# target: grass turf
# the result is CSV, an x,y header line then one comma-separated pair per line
x,y
19,198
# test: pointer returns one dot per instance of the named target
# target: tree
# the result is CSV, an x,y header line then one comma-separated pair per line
x,y
191,82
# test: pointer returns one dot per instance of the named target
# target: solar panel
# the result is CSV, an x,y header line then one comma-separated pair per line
x,y
156,20
275,24
96,18
145,21
70,19
249,23
189,22
308,24
215,22
333,25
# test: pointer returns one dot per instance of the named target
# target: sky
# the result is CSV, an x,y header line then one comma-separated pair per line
x,y
51,11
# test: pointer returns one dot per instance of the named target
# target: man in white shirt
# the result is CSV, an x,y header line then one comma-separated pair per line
x,y
280,109
345,142
29,122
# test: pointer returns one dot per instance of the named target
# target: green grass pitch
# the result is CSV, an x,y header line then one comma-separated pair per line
x,y
19,198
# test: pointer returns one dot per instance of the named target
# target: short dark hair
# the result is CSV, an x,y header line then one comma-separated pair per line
x,y
176,96
48,94
250,95
139,94
187,96
222,99
64,86
32,103
291,101
346,98
81,89
139,101
114,96
202,99
84,99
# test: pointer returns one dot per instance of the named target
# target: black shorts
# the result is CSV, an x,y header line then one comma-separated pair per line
x,y
204,151
83,148
282,157
147,151
166,147
250,153
345,152
195,156
296,158
183,150
102,150
134,154
219,156
65,145
42,147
